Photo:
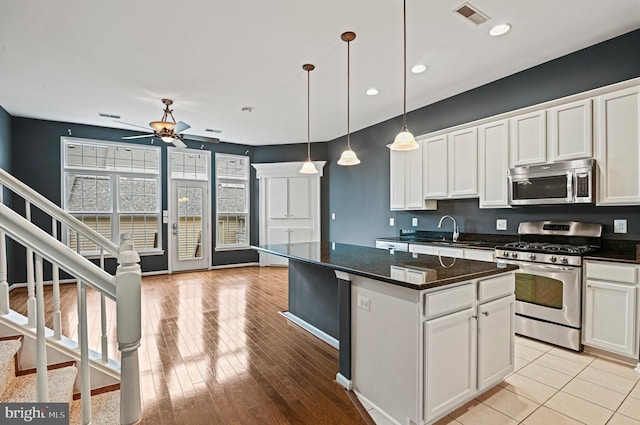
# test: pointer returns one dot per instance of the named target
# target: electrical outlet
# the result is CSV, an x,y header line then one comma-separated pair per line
x,y
364,303
392,222
333,216
414,221
620,226
501,224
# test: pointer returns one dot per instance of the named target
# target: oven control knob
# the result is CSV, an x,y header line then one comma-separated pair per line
x,y
505,254
553,259
564,260
514,255
532,257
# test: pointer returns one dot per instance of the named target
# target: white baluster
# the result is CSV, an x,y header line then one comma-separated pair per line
x,y
4,285
41,342
129,318
31,291
83,339
103,317
57,316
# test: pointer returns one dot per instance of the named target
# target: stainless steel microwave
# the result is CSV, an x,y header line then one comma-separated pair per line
x,y
570,182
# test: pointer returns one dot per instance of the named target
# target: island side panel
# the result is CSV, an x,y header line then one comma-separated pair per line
x,y
386,341
313,296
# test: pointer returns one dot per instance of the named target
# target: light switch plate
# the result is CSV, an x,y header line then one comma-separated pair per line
x,y
392,222
501,224
620,226
333,216
414,221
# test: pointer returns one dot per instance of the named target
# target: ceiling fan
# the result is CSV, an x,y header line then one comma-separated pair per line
x,y
168,130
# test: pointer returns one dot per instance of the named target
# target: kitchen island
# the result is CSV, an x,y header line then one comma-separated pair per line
x,y
419,335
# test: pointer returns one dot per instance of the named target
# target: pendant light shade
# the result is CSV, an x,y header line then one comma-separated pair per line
x,y
404,141
308,167
348,157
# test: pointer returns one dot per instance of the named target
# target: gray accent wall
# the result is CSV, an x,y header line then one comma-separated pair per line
x,y
359,195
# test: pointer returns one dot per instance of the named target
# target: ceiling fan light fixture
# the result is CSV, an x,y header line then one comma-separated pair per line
x,y
404,141
167,139
162,125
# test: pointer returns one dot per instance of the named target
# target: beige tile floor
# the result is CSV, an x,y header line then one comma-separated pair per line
x,y
554,386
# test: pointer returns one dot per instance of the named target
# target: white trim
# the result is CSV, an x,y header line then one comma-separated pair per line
x,y
312,329
540,106
346,383
284,169
378,409
234,266
343,275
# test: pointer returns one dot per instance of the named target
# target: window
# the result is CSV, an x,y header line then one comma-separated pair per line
x,y
113,188
232,201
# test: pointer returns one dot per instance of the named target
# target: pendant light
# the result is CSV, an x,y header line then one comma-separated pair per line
x,y
348,157
308,167
404,141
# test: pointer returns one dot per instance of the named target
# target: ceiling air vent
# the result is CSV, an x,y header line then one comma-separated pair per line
x,y
472,14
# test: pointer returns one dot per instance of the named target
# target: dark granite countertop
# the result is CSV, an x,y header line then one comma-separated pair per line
x,y
376,263
621,251
466,240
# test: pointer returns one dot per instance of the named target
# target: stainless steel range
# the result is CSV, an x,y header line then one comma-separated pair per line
x,y
549,282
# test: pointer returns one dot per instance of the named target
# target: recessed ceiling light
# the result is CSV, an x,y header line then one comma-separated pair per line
x,y
419,68
372,92
500,29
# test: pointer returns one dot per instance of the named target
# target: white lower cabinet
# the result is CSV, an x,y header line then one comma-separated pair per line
x,y
418,355
611,308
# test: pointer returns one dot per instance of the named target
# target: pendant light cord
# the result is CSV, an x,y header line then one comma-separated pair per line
x,y
308,115
348,95
404,71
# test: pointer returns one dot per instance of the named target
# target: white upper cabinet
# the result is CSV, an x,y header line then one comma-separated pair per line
x,y
435,167
493,161
617,147
406,180
569,135
451,165
288,197
463,163
529,138
299,197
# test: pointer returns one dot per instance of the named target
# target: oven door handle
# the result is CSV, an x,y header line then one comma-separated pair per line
x,y
540,266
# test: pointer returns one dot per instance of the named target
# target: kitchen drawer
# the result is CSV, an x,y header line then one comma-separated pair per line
x,y
450,252
422,249
496,287
398,246
479,254
398,273
611,272
449,300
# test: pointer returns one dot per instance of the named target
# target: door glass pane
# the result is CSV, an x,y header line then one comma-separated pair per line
x,y
190,207
187,165
554,187
539,290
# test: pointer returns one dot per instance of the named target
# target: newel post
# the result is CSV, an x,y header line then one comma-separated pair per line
x,y
129,329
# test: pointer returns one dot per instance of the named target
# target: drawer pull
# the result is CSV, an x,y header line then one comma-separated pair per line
x,y
486,313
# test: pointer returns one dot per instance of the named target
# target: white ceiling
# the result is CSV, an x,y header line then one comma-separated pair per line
x,y
70,60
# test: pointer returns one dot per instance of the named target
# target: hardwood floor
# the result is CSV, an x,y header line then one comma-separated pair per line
x,y
215,350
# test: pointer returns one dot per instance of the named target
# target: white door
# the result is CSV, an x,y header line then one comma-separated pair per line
x,y
463,162
435,167
189,225
496,330
528,139
493,140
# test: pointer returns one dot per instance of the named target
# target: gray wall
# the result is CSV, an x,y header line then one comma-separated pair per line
x,y
359,195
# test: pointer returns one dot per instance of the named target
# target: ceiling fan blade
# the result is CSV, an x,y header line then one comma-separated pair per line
x,y
201,138
180,127
139,137
178,143
133,125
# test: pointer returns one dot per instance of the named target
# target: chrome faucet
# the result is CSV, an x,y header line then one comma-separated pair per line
x,y
455,227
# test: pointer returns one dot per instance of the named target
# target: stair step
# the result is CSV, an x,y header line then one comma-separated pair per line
x,y
8,350
60,381
105,409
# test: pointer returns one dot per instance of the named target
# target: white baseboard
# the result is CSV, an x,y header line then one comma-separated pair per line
x,y
346,383
232,266
312,329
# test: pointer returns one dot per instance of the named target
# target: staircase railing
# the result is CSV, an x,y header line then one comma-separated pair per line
x,y
124,289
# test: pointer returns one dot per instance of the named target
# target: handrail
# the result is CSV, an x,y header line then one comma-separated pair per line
x,y
43,244
55,211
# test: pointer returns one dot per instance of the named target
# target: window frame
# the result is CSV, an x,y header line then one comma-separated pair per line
x,y
114,173
222,179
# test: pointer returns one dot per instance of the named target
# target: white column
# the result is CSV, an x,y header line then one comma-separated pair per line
x,y
4,285
103,318
41,342
57,316
85,370
129,323
31,290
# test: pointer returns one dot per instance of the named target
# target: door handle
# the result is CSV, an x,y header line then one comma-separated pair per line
x,y
486,313
174,228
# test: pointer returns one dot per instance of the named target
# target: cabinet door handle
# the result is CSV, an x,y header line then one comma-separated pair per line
x,y
588,286
486,313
